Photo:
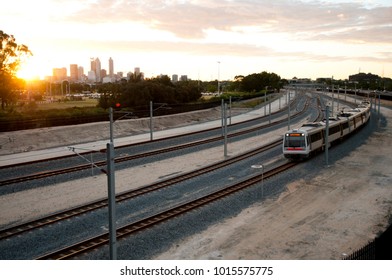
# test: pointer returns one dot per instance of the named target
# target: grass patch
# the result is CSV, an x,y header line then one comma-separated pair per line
x,y
67,104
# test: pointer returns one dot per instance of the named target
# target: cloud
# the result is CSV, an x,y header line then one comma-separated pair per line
x,y
310,20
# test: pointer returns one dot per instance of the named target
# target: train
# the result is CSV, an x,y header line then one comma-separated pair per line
x,y
302,143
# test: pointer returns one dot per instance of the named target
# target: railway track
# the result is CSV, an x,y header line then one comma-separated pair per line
x,y
127,230
56,217
10,232
101,164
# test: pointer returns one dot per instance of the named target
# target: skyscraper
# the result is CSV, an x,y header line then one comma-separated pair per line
x,y
80,73
111,68
59,74
73,69
98,70
96,67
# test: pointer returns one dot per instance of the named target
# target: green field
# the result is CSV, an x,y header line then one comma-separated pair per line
x,y
66,104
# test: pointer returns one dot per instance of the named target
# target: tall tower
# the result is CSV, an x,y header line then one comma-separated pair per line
x,y
111,68
98,70
80,73
73,70
92,63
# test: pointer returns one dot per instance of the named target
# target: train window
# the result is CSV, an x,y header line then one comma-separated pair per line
x,y
334,129
294,140
315,137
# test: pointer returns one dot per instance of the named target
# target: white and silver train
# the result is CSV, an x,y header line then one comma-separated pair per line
x,y
310,138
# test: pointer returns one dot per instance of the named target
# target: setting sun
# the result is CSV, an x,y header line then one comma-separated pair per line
x,y
33,70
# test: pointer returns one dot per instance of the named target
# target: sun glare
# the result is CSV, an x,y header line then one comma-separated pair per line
x,y
32,70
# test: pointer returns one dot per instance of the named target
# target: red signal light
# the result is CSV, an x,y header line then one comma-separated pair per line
x,y
118,105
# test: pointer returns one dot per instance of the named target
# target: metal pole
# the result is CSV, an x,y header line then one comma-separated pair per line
x,y
269,105
218,77
92,164
265,101
326,133
332,100
338,97
111,124
111,192
222,115
225,130
230,109
112,202
288,117
262,181
379,104
150,120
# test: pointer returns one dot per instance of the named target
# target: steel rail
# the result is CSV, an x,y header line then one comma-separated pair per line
x,y
100,240
47,174
75,211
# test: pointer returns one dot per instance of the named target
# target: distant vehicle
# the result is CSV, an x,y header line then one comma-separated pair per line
x,y
310,138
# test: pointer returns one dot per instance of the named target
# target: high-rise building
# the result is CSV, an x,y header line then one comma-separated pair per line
x,y
92,64
91,76
80,73
96,67
103,73
59,74
174,78
137,71
111,68
98,70
73,70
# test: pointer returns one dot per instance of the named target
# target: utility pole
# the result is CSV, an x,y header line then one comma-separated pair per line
x,y
111,191
225,129
326,134
151,120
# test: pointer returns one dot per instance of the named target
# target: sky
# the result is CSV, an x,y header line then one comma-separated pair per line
x,y
205,39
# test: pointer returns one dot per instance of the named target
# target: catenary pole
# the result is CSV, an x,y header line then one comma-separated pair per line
x,y
111,192
326,134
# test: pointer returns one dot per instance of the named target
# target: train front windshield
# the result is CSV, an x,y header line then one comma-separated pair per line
x,y
294,140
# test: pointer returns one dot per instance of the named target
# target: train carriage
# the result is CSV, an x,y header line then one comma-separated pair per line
x,y
301,143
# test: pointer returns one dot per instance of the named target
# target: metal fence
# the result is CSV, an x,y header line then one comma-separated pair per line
x,y
367,252
378,249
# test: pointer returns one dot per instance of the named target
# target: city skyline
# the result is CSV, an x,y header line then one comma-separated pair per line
x,y
206,40
96,73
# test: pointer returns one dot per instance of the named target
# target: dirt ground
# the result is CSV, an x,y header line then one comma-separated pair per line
x,y
335,213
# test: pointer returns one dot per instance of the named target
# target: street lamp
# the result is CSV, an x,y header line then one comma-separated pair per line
x,y
218,77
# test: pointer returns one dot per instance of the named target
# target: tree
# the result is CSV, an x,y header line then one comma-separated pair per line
x,y
11,56
259,81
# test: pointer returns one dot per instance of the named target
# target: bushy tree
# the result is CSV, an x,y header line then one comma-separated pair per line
x,y
139,93
11,56
259,81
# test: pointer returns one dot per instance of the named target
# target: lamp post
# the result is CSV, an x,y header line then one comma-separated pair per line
x,y
218,77
225,130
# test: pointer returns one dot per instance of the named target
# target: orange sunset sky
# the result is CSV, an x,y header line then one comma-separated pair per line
x,y
306,39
